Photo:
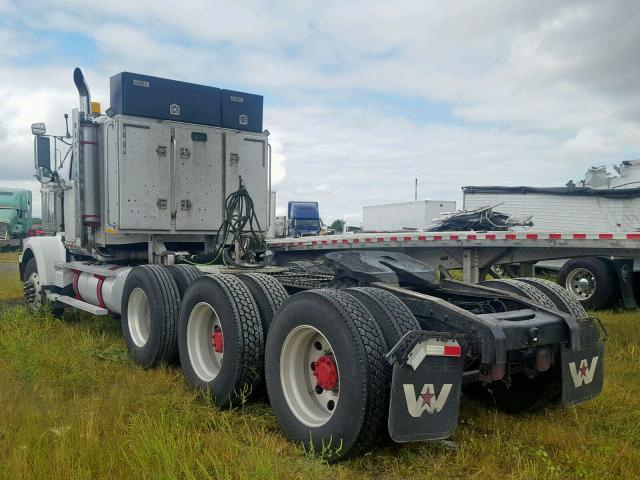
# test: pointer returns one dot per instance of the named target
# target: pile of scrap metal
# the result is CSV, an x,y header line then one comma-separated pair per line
x,y
484,218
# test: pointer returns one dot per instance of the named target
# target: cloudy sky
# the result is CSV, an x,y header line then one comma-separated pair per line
x,y
361,97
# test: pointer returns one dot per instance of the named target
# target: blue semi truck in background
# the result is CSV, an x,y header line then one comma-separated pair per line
x,y
303,219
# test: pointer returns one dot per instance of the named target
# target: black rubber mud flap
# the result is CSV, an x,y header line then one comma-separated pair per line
x,y
582,373
425,389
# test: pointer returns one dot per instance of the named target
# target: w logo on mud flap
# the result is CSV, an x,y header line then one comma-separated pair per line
x,y
427,400
583,374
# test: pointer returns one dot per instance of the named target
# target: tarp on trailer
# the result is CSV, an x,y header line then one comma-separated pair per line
x,y
565,191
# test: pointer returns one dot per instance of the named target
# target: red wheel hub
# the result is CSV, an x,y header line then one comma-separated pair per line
x,y
326,372
217,340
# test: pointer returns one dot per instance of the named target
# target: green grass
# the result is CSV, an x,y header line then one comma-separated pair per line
x,y
9,257
10,286
73,405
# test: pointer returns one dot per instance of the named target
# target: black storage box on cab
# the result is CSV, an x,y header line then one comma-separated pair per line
x,y
153,97
241,111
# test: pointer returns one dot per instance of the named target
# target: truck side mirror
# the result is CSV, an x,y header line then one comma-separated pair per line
x,y
43,158
38,129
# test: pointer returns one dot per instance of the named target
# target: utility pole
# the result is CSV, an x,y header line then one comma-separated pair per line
x,y
415,195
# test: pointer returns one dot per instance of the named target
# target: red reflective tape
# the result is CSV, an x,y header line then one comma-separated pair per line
x,y
532,236
393,239
344,240
633,236
324,242
471,237
422,238
76,277
87,142
452,351
333,242
579,236
437,237
555,236
490,236
510,236
453,237
367,240
356,240
99,293
408,239
380,239
605,236
314,242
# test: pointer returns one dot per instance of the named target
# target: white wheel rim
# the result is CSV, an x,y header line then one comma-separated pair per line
x,y
299,351
34,278
139,317
581,283
204,357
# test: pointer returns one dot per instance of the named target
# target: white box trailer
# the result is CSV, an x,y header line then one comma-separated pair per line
x,y
563,209
406,215
601,204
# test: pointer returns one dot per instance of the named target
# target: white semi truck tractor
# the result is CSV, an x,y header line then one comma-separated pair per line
x,y
173,181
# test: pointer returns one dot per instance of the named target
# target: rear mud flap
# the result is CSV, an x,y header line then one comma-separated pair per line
x,y
582,373
425,391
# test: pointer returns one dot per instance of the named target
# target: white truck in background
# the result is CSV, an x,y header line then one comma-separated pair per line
x,y
601,203
395,217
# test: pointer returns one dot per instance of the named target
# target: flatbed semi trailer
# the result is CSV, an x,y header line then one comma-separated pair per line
x,y
476,252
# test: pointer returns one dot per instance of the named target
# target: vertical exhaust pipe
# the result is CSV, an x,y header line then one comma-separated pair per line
x,y
88,160
83,91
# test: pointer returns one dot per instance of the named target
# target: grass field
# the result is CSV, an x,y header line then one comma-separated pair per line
x,y
74,406
9,257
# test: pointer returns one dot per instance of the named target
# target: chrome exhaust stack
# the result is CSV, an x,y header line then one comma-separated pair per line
x,y
83,91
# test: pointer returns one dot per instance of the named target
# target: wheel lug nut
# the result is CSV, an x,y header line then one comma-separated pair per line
x,y
319,389
313,365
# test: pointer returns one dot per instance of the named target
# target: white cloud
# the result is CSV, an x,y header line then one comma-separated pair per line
x,y
536,90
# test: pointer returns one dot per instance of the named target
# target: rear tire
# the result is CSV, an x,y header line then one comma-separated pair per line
x,y
334,325
220,339
184,275
393,317
591,281
150,306
268,293
561,298
521,288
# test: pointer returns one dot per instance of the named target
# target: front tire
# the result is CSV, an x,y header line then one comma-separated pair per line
x,y
326,375
33,291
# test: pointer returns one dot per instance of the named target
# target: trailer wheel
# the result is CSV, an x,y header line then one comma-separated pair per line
x,y
150,306
591,281
268,293
521,288
394,317
220,339
33,293
561,298
184,275
326,375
